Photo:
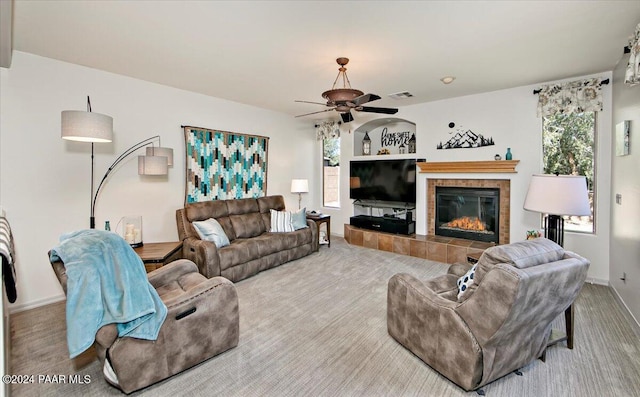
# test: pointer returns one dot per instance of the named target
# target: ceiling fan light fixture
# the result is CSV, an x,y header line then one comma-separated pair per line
x,y
447,79
345,99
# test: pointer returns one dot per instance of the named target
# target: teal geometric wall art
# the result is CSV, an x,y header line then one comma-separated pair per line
x,y
224,165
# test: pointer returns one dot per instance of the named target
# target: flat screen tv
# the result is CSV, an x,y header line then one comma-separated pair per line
x,y
383,180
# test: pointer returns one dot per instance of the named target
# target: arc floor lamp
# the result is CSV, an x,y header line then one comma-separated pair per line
x,y
98,128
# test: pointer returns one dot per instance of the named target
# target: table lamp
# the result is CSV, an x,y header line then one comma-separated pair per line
x,y
299,186
557,196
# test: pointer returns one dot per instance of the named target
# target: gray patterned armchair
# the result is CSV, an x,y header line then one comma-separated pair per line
x,y
500,324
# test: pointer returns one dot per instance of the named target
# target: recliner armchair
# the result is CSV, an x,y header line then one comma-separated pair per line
x,y
500,324
202,321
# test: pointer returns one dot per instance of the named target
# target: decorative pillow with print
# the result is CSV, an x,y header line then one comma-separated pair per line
x,y
465,281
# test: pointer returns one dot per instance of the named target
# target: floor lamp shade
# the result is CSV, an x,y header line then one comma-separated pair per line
x,y
86,126
558,195
153,165
161,151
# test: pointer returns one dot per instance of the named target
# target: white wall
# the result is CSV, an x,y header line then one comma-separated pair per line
x,y
509,116
625,217
45,180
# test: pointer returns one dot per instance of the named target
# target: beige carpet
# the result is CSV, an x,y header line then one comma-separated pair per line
x,y
317,327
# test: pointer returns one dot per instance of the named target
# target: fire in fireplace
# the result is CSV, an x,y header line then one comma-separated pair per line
x,y
469,213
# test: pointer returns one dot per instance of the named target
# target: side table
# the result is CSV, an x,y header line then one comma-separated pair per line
x,y
319,220
156,255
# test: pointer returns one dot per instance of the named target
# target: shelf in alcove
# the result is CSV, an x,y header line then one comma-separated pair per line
x,y
495,166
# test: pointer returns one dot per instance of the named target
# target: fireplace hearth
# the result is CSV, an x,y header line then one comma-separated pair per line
x,y
468,212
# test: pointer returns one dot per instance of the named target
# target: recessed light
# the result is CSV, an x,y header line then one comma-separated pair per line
x,y
447,79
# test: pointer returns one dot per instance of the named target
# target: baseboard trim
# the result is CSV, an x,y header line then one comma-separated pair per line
x,y
597,281
34,304
632,319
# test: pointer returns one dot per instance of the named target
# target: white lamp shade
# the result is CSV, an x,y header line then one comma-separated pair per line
x,y
161,151
299,186
86,126
558,195
153,165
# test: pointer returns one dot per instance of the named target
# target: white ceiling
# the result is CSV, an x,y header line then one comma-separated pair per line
x,y
270,53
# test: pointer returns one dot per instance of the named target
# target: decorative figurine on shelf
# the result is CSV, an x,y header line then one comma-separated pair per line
x,y
497,157
107,226
531,234
366,144
508,155
412,143
384,150
402,149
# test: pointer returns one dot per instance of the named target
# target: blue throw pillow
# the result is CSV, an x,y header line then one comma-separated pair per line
x,y
210,230
465,281
299,219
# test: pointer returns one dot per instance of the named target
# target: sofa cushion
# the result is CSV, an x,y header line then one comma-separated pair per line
x,y
524,254
247,225
270,203
281,221
216,209
206,209
210,230
238,252
242,206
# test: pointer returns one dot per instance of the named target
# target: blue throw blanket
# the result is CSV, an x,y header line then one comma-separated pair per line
x,y
106,283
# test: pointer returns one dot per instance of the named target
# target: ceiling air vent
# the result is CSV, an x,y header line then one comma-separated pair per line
x,y
401,95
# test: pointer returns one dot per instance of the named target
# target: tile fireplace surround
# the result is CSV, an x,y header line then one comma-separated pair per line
x,y
505,199
437,248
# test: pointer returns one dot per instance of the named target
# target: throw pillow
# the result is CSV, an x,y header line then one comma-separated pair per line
x,y
210,230
281,221
299,219
465,281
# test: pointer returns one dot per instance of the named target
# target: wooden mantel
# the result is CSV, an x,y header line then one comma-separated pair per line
x,y
493,166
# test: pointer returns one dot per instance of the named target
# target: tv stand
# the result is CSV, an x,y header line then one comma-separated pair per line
x,y
388,224
400,221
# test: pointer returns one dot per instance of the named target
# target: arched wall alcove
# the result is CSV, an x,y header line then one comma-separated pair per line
x,y
390,133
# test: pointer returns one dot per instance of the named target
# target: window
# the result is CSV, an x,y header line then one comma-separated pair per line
x,y
331,172
568,142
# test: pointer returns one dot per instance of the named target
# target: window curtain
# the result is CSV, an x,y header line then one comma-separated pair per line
x,y
632,76
572,97
327,130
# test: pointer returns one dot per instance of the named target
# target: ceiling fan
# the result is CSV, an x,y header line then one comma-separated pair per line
x,y
344,99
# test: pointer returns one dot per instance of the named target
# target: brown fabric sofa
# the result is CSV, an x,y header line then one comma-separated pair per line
x,y
253,247
202,321
501,323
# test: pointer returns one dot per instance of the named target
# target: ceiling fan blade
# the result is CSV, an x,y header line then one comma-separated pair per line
x,y
321,111
362,99
315,103
346,117
370,109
